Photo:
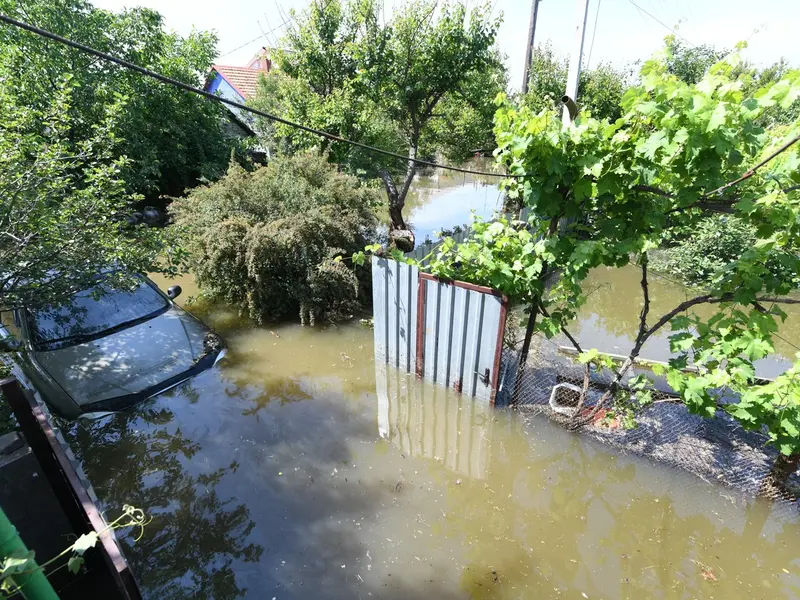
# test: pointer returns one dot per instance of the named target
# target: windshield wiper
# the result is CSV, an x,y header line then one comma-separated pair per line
x,y
70,339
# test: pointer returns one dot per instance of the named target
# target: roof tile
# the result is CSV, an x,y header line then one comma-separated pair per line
x,y
244,80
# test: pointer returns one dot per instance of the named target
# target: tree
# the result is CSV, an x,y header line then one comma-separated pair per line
x,y
690,63
271,240
63,205
172,138
603,193
600,90
420,84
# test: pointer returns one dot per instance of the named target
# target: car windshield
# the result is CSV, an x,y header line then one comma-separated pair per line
x,y
92,312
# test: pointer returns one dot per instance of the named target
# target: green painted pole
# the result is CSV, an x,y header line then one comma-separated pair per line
x,y
35,585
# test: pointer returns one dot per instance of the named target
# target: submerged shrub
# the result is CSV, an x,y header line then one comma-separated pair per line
x,y
267,241
705,252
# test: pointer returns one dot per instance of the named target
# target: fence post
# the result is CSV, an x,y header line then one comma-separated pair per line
x,y
34,583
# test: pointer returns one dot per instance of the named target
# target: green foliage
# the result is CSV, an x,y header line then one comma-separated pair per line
x,y
172,138
596,358
268,240
690,63
777,115
502,254
19,563
421,83
705,251
62,203
600,89
774,406
604,191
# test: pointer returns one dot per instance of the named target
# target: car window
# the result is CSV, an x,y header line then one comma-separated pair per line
x,y
92,312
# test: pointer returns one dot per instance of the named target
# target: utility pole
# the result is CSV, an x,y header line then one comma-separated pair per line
x,y
574,74
529,49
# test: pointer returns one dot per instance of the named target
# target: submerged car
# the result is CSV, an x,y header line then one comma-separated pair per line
x,y
107,349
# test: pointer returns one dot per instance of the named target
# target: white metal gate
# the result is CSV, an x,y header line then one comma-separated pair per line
x,y
450,333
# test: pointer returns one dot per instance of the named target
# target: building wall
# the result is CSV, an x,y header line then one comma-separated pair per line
x,y
222,88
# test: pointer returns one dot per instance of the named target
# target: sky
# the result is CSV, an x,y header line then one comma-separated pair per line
x,y
617,31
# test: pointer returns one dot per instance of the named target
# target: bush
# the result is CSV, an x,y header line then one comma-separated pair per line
x,y
715,243
270,241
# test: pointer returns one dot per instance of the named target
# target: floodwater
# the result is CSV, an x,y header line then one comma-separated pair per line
x,y
445,199
298,469
610,318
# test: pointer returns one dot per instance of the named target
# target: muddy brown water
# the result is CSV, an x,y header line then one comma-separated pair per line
x,y
298,469
610,318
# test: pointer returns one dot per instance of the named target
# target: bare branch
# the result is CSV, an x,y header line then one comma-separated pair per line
x,y
778,300
682,307
753,170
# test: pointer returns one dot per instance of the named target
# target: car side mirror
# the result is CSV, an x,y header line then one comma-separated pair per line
x,y
10,344
174,291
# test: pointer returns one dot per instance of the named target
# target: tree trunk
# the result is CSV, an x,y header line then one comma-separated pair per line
x,y
396,214
775,484
395,202
523,355
400,235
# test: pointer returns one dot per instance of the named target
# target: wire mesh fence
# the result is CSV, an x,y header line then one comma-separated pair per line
x,y
553,384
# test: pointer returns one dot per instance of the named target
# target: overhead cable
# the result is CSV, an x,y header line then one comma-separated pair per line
x,y
189,88
660,22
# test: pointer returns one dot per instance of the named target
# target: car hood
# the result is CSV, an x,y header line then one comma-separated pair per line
x,y
127,361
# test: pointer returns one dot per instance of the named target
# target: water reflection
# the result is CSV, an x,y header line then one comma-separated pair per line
x,y
434,422
297,469
610,318
198,531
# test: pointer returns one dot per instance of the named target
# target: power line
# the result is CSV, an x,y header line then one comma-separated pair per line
x,y
184,86
255,39
660,22
594,32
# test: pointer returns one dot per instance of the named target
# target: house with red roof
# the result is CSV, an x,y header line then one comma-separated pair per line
x,y
239,84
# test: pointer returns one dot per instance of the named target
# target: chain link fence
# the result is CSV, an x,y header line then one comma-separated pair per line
x,y
551,383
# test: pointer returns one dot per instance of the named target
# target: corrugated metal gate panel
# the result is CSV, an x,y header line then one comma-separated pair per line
x,y
462,326
394,298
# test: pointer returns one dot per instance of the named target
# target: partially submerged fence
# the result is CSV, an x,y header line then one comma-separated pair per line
x,y
715,449
444,332
450,333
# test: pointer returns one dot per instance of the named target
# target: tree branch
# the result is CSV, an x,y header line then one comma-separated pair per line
x,y
753,170
653,190
682,307
564,330
778,300
646,296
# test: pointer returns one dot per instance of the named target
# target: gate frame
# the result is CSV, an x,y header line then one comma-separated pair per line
x,y
421,301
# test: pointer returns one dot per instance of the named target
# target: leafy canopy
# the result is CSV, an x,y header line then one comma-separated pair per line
x,y
703,251
421,83
602,192
600,89
63,204
171,137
